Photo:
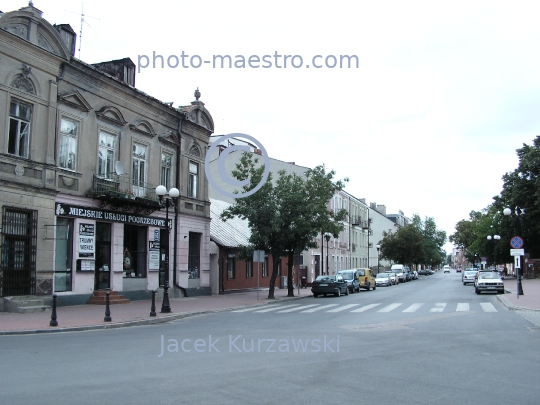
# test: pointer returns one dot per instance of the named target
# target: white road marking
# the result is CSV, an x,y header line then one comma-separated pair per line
x,y
462,307
390,307
319,308
413,307
278,307
438,307
488,307
297,309
343,308
365,308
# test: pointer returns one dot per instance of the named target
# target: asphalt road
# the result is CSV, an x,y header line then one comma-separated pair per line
x,y
429,341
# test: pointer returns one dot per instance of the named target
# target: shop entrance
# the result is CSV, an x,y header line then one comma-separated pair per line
x,y
102,279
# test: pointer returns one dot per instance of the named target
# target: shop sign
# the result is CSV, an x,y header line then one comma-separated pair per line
x,y
104,215
153,256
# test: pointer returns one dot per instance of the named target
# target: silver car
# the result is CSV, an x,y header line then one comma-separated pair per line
x,y
383,279
489,281
393,277
467,277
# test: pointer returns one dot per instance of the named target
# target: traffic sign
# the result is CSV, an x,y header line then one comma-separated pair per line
x,y
516,242
517,252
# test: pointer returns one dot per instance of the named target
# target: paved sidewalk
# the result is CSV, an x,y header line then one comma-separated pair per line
x,y
87,317
531,298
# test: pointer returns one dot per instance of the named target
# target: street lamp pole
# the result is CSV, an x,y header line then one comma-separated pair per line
x,y
517,226
327,237
173,193
495,239
378,264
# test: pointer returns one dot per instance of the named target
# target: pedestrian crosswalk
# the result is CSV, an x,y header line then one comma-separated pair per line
x,y
377,307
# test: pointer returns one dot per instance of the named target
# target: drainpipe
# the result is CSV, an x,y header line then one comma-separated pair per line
x,y
178,162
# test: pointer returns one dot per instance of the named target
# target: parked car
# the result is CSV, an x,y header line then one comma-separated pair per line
x,y
351,277
489,281
468,276
393,277
399,270
366,278
408,276
383,279
424,272
414,274
329,284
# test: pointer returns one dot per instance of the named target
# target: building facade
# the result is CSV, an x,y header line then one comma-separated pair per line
x,y
82,153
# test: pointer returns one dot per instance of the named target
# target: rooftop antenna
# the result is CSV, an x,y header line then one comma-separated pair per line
x,y
82,21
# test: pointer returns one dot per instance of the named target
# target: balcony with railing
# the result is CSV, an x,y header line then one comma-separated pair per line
x,y
124,192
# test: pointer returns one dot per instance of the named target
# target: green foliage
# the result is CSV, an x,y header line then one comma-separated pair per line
x,y
405,246
286,216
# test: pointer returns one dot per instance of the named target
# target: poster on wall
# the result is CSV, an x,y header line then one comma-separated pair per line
x,y
86,240
153,256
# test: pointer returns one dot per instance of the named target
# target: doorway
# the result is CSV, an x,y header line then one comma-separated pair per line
x,y
102,279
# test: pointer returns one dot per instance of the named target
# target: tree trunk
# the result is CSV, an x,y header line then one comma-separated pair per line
x,y
275,267
290,281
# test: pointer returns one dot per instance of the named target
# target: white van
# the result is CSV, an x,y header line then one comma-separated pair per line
x,y
399,269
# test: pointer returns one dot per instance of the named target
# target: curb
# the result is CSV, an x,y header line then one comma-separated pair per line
x,y
513,307
138,322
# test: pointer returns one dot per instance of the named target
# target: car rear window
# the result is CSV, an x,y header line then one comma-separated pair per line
x,y
347,275
361,273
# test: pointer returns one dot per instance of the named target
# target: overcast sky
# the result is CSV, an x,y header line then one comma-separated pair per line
x,y
428,123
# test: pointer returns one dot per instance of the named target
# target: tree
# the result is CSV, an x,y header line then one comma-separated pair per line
x,y
405,246
434,239
287,216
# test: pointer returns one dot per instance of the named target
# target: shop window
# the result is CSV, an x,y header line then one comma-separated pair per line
x,y
68,144
19,128
63,258
194,258
135,248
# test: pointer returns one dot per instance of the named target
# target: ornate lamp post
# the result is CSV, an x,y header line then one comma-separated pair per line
x,y
378,248
327,237
173,194
517,226
495,238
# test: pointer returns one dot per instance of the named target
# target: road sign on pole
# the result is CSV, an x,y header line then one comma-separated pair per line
x,y
517,252
516,242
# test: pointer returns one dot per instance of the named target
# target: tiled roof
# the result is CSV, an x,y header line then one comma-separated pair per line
x,y
231,233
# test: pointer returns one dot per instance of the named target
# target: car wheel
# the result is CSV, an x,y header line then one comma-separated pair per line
x,y
352,290
315,295
347,291
367,289
338,294
477,291
375,286
464,283
324,295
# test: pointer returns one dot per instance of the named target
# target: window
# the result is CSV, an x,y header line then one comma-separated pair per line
x,y
107,153
19,128
249,269
68,144
193,180
194,259
63,257
230,267
166,170
135,248
139,170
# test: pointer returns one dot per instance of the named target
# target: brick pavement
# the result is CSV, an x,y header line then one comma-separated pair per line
x,y
86,317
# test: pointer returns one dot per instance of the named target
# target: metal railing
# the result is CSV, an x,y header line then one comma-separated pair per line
x,y
123,187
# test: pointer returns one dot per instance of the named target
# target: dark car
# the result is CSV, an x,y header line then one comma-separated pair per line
x,y
351,278
408,276
330,284
424,272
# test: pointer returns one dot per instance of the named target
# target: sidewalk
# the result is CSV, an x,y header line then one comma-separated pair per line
x,y
530,300
87,317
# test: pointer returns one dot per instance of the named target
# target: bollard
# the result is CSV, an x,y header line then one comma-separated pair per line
x,y
53,322
107,310
153,308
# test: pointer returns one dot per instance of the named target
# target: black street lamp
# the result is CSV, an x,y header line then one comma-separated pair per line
x,y
495,239
517,226
378,247
327,237
173,194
